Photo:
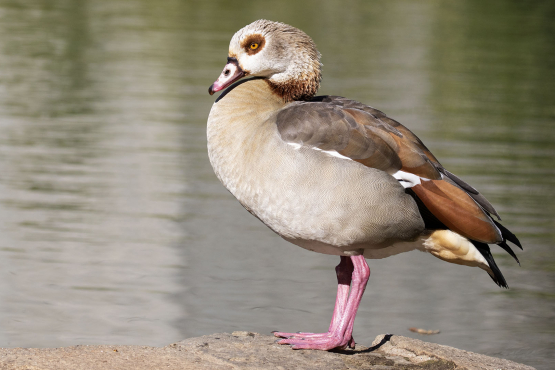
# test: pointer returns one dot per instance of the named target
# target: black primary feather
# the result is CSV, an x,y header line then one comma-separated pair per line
x,y
509,250
497,277
507,235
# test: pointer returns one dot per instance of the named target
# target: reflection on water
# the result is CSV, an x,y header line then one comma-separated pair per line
x,y
115,230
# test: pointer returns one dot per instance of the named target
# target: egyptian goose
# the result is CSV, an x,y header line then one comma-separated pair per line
x,y
335,176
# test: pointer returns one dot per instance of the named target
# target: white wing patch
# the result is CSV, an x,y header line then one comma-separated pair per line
x,y
408,180
295,145
332,153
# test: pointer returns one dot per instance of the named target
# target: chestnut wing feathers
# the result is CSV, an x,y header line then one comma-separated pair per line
x,y
368,136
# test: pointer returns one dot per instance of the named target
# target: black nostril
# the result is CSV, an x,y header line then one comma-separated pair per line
x,y
226,72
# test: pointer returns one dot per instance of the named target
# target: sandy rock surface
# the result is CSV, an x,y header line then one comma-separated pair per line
x,y
245,350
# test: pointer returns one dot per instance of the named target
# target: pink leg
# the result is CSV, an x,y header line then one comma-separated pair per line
x,y
346,306
344,273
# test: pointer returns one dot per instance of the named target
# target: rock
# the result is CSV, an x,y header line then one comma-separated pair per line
x,y
417,351
246,350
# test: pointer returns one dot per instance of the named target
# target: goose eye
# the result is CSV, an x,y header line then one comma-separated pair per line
x,y
254,46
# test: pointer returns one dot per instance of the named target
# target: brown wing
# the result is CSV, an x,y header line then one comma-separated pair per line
x,y
368,136
412,140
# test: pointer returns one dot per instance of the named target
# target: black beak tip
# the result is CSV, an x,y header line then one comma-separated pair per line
x,y
210,90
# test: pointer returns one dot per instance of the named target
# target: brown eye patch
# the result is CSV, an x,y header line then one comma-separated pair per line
x,y
253,44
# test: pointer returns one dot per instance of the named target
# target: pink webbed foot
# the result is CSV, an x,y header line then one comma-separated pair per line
x,y
308,337
321,341
301,335
351,269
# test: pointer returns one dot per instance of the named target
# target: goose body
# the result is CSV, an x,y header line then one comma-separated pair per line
x,y
335,176
334,219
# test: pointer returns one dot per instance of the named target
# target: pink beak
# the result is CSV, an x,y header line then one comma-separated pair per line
x,y
231,73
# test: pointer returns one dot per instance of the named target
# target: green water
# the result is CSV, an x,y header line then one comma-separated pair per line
x,y
115,230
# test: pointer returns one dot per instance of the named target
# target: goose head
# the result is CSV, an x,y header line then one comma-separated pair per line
x,y
283,55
